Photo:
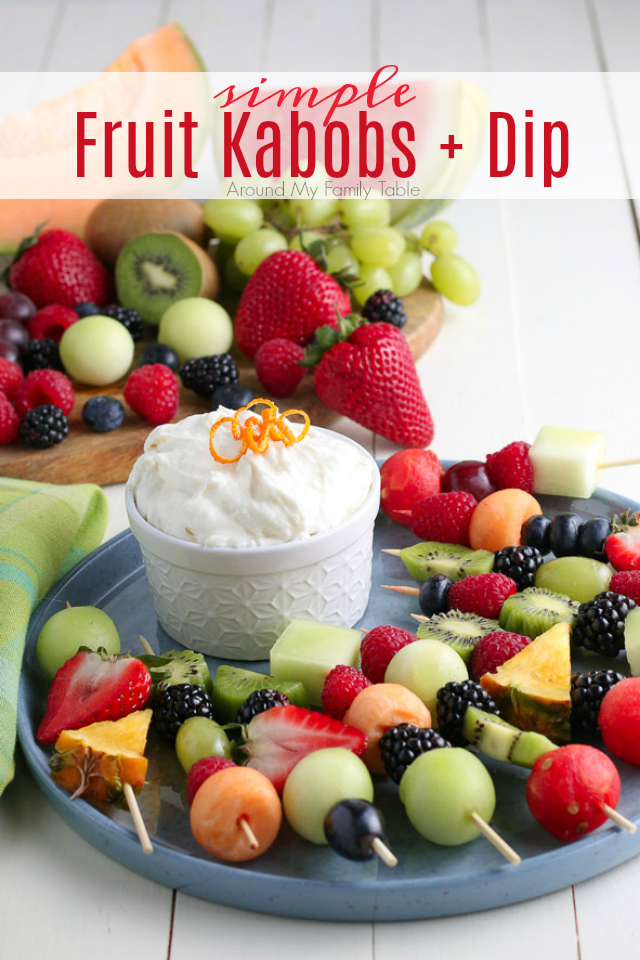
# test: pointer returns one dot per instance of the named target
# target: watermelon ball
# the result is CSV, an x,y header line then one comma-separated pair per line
x,y
619,720
568,788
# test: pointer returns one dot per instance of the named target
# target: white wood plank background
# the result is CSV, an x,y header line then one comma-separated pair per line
x,y
560,281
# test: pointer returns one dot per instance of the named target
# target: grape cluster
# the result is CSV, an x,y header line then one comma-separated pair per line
x,y
351,239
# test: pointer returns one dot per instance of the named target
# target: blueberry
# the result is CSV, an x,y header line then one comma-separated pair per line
x,y
535,533
591,538
86,309
232,396
159,353
563,534
102,414
433,594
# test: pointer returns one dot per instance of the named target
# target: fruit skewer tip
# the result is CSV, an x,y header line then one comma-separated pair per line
x,y
252,840
419,617
407,591
634,461
494,838
618,818
384,853
146,646
136,816
392,553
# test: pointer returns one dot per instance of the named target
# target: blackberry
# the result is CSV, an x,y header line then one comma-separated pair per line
x,y
130,319
204,374
41,354
587,694
403,744
259,701
384,307
176,704
452,702
599,623
519,563
44,426
103,414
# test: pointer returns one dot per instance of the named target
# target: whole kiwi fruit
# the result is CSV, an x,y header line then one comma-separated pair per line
x,y
114,222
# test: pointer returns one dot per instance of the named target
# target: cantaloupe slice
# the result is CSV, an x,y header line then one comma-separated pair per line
x,y
533,689
40,142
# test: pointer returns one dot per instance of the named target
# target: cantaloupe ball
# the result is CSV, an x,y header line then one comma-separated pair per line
x,y
497,520
378,708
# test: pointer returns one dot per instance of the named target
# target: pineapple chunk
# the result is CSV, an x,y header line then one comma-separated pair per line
x,y
565,461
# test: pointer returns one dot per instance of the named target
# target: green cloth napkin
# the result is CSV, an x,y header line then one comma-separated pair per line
x,y
45,530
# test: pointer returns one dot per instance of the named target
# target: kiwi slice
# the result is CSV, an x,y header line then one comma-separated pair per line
x,y
458,630
424,559
156,269
232,686
496,738
178,666
536,610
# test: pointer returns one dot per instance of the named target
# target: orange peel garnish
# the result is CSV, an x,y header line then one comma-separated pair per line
x,y
255,434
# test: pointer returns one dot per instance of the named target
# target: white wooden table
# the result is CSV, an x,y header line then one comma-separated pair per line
x,y
555,338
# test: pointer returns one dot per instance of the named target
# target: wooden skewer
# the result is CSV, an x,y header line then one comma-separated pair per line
x,y
407,591
419,617
138,822
362,630
384,853
146,646
243,823
68,605
618,463
618,818
501,845
392,553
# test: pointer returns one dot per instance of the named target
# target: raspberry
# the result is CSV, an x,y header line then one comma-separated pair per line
x,y
10,377
481,593
51,322
341,687
495,649
152,392
626,582
201,771
41,387
278,366
9,421
445,517
378,648
511,467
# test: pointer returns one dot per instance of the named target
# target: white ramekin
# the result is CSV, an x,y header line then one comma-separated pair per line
x,y
234,603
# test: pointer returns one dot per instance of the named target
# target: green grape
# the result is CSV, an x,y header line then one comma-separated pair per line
x,y
379,246
371,279
234,278
439,237
200,737
312,212
308,237
256,247
341,258
406,274
374,212
232,220
67,630
455,279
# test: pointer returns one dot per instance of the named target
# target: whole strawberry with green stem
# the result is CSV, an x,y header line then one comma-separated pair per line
x,y
288,296
56,266
367,372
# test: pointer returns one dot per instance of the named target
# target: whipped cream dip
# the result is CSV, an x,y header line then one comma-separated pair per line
x,y
281,495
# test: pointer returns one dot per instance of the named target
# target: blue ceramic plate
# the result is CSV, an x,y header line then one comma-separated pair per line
x,y
296,878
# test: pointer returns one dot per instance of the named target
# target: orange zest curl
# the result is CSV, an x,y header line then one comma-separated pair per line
x,y
257,432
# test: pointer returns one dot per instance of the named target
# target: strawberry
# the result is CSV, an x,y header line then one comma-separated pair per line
x,y
372,378
56,266
288,296
622,547
278,739
91,687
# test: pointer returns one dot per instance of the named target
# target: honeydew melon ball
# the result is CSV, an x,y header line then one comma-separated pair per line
x,y
425,666
96,350
67,630
196,327
317,783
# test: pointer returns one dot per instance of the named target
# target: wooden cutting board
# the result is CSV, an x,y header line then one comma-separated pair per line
x,y
102,458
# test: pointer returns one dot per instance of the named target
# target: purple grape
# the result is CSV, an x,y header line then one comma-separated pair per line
x,y
9,351
14,332
16,306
